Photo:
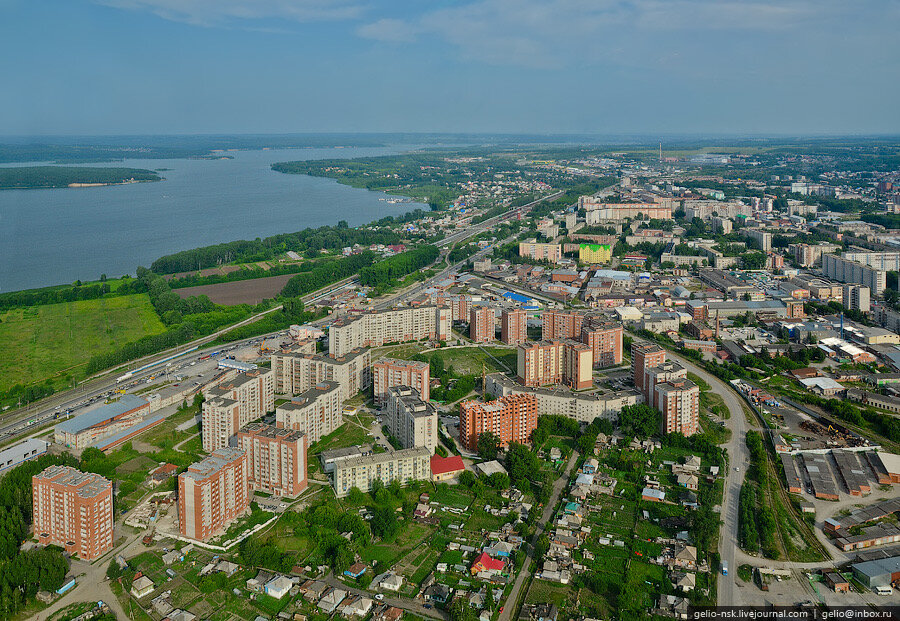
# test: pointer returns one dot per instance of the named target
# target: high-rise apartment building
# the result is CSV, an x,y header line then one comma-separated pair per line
x,y
667,371
213,493
460,306
297,371
316,412
679,402
561,324
481,324
605,340
390,326
761,239
856,297
540,252
643,357
233,403
578,364
411,420
387,373
74,510
511,418
555,362
276,458
848,270
514,326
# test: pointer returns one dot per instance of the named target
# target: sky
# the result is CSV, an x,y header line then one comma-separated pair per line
x,y
85,67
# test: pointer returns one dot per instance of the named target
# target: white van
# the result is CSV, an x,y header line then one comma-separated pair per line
x,y
884,590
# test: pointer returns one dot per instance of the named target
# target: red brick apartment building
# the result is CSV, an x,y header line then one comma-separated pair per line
x,y
644,357
276,459
513,326
561,325
511,418
73,509
388,373
213,493
481,324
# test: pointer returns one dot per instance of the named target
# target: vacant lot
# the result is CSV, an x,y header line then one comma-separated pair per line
x,y
54,340
241,291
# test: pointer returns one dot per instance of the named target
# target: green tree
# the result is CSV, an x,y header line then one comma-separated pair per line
x,y
488,445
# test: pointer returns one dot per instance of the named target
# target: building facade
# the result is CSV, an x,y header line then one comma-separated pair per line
x,y
849,271
387,373
643,357
74,510
679,402
389,326
511,418
212,493
540,252
234,402
276,459
413,464
594,253
856,297
298,371
605,340
316,412
481,324
410,419
561,324
513,326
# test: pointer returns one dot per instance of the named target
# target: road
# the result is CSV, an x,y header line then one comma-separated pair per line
x,y
729,594
560,484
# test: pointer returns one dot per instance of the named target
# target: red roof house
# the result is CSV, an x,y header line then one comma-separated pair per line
x,y
486,563
443,468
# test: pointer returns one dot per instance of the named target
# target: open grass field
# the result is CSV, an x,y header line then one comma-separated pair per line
x,y
251,291
56,340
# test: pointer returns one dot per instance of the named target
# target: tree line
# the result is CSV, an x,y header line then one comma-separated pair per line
x,y
389,271
62,176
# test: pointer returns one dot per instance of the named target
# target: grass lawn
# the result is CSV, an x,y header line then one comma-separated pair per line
x,y
542,592
55,341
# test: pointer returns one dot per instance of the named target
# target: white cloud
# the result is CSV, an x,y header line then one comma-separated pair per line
x,y
227,12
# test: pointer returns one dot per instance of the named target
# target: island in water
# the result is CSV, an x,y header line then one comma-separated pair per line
x,y
28,177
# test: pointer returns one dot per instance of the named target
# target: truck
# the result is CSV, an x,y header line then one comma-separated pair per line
x,y
724,568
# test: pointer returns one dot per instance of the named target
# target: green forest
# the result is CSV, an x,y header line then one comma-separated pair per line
x,y
28,177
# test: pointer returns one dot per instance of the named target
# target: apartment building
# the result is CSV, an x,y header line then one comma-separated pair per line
x,y
540,252
74,510
561,324
389,326
721,225
594,253
212,493
276,459
578,364
807,255
583,407
298,371
849,271
679,402
605,340
555,362
856,297
513,326
597,211
316,412
481,324
643,357
387,373
412,464
460,306
511,418
411,420
221,419
667,371
762,240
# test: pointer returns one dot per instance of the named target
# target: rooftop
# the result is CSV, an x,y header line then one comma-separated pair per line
x,y
102,413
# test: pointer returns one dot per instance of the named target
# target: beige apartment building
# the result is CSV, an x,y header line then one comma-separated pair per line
x,y
412,464
411,420
316,412
389,326
298,371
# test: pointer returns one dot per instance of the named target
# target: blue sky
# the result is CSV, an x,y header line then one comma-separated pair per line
x,y
596,66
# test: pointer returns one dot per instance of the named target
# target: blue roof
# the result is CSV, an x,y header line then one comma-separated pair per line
x,y
518,297
101,414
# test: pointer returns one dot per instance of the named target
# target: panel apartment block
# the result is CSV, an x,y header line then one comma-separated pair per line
x,y
513,326
407,465
276,459
387,373
410,419
846,270
213,493
511,418
481,324
316,412
73,509
298,371
389,326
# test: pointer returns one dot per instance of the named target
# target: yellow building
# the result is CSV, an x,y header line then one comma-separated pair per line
x,y
594,253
